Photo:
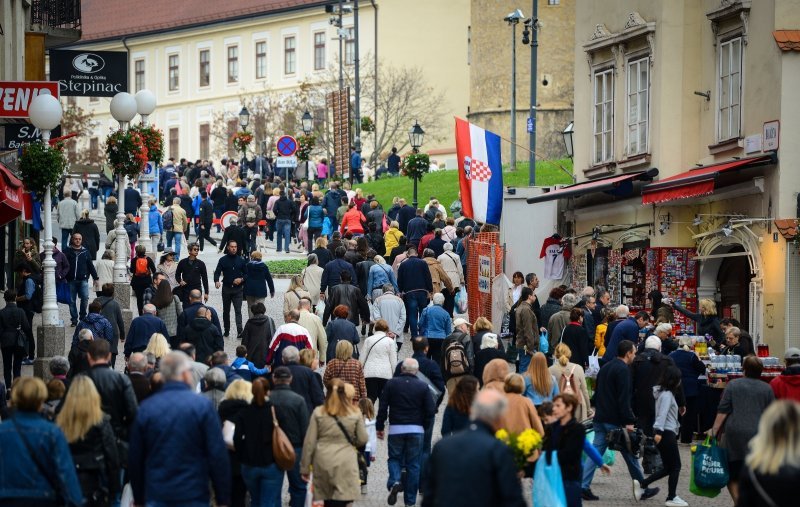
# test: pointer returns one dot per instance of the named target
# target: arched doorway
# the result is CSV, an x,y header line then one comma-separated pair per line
x,y
733,281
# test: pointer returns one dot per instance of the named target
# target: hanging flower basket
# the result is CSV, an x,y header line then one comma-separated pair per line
x,y
241,140
126,152
153,140
42,166
304,146
367,125
416,165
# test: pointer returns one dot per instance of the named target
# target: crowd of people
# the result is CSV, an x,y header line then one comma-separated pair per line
x,y
307,399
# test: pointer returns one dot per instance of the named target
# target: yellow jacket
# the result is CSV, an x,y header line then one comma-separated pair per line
x,y
600,339
392,239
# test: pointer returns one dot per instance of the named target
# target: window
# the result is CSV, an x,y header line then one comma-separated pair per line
x,y
72,101
138,75
94,100
205,136
173,72
603,116
319,50
261,60
233,126
233,64
730,89
553,2
173,143
350,47
289,55
638,105
94,148
205,67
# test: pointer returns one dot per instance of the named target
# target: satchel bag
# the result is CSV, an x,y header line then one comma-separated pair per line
x,y
21,341
282,449
363,466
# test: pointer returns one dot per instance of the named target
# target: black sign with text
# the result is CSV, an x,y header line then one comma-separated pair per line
x,y
89,73
18,135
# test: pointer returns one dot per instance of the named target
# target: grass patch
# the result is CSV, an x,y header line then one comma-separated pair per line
x,y
444,184
287,267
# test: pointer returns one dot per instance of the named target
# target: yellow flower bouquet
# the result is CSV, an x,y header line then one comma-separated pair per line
x,y
522,445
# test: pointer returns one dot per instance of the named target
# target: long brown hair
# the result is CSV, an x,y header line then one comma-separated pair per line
x,y
163,297
540,376
260,392
463,394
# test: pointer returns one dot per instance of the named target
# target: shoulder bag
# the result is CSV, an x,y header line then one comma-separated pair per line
x,y
363,467
53,482
282,449
20,341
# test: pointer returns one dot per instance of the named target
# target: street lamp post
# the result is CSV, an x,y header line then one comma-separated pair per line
x,y
415,136
307,122
123,109
145,105
513,19
244,121
568,133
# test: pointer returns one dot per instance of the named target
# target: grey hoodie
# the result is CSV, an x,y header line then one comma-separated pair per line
x,y
666,411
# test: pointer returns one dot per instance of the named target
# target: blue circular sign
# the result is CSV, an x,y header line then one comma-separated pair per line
x,y
287,146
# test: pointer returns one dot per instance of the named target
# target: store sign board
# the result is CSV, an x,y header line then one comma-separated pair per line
x,y
149,172
19,135
484,273
771,136
89,74
752,144
16,96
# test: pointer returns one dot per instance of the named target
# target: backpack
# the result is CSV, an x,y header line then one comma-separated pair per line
x,y
168,219
37,301
140,268
565,383
455,359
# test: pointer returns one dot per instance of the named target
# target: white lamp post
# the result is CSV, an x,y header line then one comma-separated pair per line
x,y
45,114
123,109
145,105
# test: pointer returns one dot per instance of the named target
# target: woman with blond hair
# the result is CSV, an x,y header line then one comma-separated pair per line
x,y
571,374
540,385
91,442
707,321
324,255
773,463
158,346
293,295
335,431
344,367
480,327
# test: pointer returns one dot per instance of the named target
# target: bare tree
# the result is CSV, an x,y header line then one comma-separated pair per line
x,y
76,120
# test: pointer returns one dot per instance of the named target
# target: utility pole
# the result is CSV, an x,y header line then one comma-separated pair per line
x,y
534,82
514,96
341,47
357,62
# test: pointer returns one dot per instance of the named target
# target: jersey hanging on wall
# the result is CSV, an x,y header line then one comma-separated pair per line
x,y
555,253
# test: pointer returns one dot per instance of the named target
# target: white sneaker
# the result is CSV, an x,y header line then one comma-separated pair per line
x,y
676,502
638,490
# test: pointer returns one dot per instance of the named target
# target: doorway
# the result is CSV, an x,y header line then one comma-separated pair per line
x,y
733,280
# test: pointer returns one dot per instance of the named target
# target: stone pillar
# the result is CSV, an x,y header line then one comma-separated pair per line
x,y
50,342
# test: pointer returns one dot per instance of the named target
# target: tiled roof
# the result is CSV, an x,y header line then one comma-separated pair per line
x,y
788,40
110,19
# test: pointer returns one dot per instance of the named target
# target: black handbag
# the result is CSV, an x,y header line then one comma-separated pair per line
x,y
651,457
631,442
21,341
363,466
160,246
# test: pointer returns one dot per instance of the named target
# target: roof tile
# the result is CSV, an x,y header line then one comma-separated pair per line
x,y
787,40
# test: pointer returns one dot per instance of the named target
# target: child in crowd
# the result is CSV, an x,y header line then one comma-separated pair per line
x,y
368,409
246,369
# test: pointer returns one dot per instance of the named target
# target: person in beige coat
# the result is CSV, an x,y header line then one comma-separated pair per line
x,y
331,450
293,295
313,324
561,365
312,278
439,276
559,321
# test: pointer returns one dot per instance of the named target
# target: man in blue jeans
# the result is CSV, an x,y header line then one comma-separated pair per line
x,y
416,285
80,267
613,411
410,409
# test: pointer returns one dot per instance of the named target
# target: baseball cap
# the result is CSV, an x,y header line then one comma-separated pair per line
x,y
460,321
282,372
792,353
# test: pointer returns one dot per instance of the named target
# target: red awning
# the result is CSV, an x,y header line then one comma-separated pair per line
x,y
600,185
697,182
11,192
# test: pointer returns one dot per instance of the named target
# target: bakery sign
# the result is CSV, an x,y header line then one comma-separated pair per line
x,y
89,73
16,96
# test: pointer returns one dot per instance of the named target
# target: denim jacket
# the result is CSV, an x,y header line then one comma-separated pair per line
x,y
19,475
380,274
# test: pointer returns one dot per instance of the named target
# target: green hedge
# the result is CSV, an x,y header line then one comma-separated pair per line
x,y
287,267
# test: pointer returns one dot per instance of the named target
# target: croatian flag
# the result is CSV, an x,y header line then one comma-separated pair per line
x,y
480,172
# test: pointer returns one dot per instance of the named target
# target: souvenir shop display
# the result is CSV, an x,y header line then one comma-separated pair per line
x,y
632,279
556,253
673,272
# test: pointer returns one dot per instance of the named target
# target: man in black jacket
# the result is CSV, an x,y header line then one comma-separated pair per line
x,y
410,409
12,321
416,285
234,233
231,267
206,220
187,316
284,210
351,297
204,335
191,274
305,381
486,473
613,411
293,417
81,266
332,275
404,215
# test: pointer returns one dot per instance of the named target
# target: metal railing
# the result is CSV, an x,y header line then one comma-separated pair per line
x,y
56,13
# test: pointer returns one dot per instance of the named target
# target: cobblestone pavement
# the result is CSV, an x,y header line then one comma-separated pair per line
x,y
613,490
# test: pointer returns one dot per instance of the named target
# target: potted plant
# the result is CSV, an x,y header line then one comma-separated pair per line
x,y
126,152
305,144
153,140
415,165
42,166
367,125
241,140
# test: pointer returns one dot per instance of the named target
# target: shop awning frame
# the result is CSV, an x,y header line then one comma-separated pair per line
x,y
600,185
11,196
699,181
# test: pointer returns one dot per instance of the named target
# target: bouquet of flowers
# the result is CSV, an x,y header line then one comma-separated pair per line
x,y
522,444
42,166
416,165
304,146
241,140
154,142
126,152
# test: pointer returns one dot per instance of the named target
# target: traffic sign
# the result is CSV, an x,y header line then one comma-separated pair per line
x,y
530,125
287,146
149,172
225,219
287,162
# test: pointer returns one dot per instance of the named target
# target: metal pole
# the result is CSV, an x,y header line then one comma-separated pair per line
x,y
341,48
415,202
534,82
120,247
357,63
144,210
50,304
513,160
375,88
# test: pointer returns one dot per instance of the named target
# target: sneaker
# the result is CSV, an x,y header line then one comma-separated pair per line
x,y
650,493
27,361
638,490
587,495
396,488
676,502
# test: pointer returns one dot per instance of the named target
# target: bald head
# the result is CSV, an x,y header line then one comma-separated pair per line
x,y
137,362
488,407
150,308
195,295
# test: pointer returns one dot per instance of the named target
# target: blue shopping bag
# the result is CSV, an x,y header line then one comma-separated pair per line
x,y
62,292
710,464
548,487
